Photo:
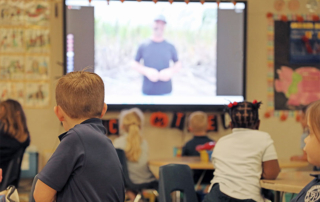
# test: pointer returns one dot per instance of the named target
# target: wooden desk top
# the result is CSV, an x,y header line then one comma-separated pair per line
x,y
196,163
290,182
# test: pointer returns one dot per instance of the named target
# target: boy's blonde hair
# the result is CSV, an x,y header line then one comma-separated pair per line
x,y
80,94
198,121
131,121
313,116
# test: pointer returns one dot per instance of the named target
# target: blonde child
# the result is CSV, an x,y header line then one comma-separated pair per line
x,y
85,166
312,192
198,125
135,148
242,158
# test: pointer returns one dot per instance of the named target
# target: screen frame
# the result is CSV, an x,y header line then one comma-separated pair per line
x,y
161,107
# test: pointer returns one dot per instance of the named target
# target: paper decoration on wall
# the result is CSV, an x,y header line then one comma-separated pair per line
x,y
112,126
159,119
279,5
37,67
37,13
38,40
300,86
304,42
178,120
312,5
11,40
12,12
37,94
287,80
294,5
212,123
11,67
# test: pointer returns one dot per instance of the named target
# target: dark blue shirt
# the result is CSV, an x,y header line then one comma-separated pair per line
x,y
311,193
156,55
85,166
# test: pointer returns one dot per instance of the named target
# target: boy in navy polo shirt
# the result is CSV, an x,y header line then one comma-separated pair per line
x,y
85,166
311,193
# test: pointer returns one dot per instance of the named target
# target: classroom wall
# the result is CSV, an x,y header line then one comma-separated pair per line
x,y
45,128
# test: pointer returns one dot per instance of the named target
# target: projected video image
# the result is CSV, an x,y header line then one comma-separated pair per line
x,y
149,53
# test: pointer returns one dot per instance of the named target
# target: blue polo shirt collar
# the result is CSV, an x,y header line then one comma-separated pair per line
x,y
88,121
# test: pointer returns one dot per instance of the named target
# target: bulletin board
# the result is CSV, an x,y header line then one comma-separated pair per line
x,y
293,63
25,51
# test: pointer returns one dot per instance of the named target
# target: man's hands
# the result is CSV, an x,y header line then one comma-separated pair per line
x,y
165,74
154,75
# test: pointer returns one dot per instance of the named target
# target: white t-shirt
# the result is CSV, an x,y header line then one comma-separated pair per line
x,y
139,171
238,158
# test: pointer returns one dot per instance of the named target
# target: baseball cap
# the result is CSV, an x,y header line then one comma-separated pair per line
x,y
160,18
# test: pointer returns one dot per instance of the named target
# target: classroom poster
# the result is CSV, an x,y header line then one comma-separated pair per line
x,y
25,51
12,12
12,90
295,84
11,67
37,67
11,40
37,94
37,13
38,40
305,42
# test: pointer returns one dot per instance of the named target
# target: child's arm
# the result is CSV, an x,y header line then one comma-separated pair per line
x,y
270,169
44,193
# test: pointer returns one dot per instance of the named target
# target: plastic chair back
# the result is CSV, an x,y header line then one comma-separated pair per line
x,y
176,177
12,173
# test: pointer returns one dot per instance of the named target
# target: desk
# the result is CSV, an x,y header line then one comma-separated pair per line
x,y
290,182
196,163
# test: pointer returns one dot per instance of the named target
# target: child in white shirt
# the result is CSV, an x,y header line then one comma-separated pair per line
x,y
242,158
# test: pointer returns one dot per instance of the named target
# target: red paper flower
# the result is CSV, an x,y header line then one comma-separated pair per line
x,y
269,15
300,18
254,102
283,117
315,18
284,18
267,115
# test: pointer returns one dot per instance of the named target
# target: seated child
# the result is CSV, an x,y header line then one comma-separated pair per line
x,y
242,158
135,148
85,166
312,148
198,124
303,121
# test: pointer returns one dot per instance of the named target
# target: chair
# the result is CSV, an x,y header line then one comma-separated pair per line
x,y
12,172
127,181
35,179
176,177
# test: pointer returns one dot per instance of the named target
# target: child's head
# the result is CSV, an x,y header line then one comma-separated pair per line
x,y
198,123
131,122
312,147
13,119
80,95
244,114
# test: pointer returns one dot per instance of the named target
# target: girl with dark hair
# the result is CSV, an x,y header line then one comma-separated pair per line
x,y
14,134
242,158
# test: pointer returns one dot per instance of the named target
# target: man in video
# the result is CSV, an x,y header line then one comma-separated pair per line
x,y
157,54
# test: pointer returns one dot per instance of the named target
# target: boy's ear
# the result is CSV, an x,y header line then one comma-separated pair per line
x,y
59,113
104,110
